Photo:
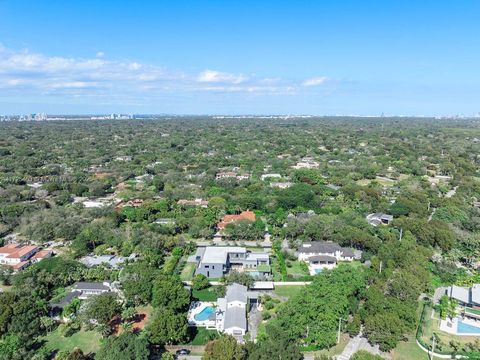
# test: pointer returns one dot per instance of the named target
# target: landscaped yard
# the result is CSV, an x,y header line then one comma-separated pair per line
x,y
187,272
201,335
444,344
288,290
207,294
296,268
87,341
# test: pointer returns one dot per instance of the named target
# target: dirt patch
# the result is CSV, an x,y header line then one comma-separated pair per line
x,y
138,323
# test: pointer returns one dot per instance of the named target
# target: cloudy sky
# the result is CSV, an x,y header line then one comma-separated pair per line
x,y
240,57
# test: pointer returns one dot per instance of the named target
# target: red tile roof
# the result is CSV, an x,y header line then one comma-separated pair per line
x,y
244,215
42,254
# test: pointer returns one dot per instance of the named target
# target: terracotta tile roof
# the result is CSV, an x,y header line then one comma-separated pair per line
x,y
20,265
9,249
22,251
42,254
244,215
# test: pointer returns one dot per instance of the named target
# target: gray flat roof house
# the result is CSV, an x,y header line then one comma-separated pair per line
x,y
464,295
215,261
324,248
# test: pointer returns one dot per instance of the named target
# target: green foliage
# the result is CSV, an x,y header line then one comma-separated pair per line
x,y
169,291
100,309
200,282
224,348
167,327
312,315
126,346
365,355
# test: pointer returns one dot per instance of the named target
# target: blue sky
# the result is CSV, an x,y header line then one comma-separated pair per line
x,y
240,57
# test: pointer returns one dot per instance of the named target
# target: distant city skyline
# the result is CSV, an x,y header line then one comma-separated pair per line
x,y
240,57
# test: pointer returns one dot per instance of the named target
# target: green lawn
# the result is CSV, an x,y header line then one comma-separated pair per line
x,y
407,350
201,335
87,341
296,269
207,294
288,290
187,272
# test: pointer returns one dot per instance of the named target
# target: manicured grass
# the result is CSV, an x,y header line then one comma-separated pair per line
x,y
187,272
207,294
87,341
288,290
296,269
202,336
407,350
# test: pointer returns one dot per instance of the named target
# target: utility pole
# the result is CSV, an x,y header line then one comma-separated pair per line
x,y
381,263
401,234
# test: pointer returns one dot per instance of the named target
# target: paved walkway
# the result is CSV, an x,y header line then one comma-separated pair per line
x,y
356,344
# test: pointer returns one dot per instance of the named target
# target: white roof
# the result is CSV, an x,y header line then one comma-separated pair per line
x,y
476,293
218,254
263,285
257,256
460,293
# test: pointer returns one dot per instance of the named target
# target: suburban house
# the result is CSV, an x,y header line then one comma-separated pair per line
x,y
19,257
83,291
197,202
465,296
111,261
281,185
227,219
376,219
228,314
232,175
234,309
307,163
321,255
215,261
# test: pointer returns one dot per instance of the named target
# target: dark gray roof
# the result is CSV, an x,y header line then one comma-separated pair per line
x,y
235,316
348,252
319,247
67,299
82,286
322,258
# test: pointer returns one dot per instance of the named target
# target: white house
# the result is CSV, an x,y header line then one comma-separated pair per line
x,y
321,255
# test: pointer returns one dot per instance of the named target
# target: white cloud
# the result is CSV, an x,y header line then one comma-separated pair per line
x,y
315,81
100,54
32,74
212,76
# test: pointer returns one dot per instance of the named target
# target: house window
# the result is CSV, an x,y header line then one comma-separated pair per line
x,y
207,266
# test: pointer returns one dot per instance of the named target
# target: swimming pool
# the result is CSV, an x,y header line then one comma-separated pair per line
x,y
318,271
463,328
205,314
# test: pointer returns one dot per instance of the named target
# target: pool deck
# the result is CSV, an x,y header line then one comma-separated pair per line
x,y
195,309
451,326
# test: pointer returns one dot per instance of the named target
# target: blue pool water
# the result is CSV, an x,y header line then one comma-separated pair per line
x,y
318,271
463,328
254,273
205,314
